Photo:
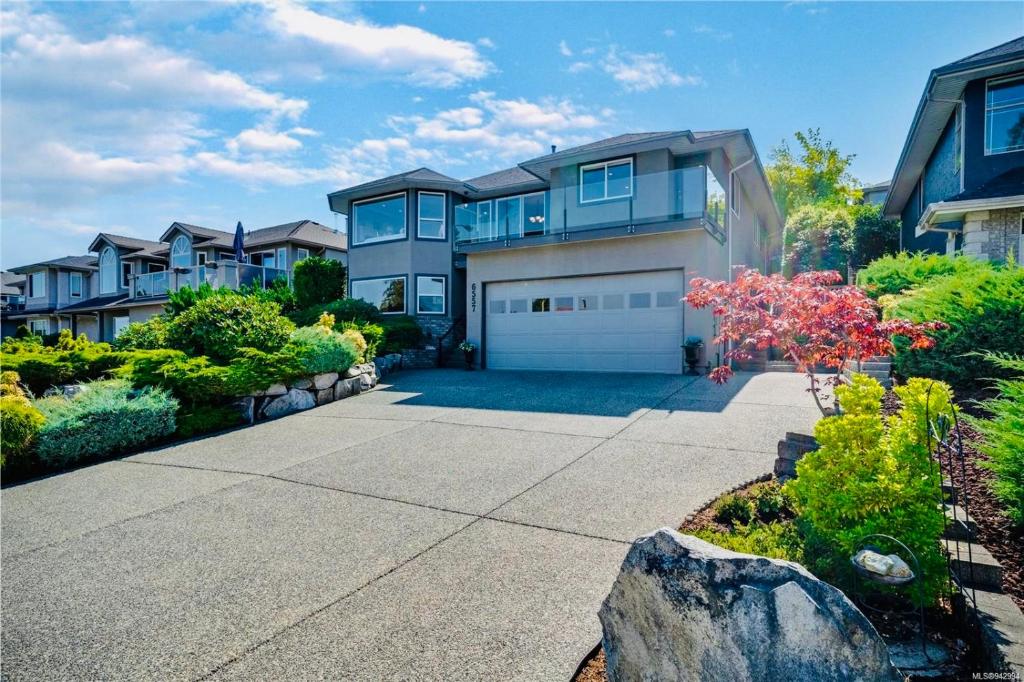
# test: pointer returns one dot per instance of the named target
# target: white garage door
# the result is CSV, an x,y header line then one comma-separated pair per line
x,y
611,323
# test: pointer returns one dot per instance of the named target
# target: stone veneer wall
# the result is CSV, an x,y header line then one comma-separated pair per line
x,y
433,326
991,235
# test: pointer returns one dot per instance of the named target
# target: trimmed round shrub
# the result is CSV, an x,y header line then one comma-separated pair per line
x,y
106,419
321,350
318,281
219,326
984,309
148,335
19,425
895,274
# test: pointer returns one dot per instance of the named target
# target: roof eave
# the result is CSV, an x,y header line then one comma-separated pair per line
x,y
957,209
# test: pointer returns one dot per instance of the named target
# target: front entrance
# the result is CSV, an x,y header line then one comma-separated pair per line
x,y
608,323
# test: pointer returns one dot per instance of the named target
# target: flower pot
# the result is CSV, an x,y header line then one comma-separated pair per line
x,y
692,354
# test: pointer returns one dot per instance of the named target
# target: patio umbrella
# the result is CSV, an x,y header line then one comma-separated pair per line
x,y
239,242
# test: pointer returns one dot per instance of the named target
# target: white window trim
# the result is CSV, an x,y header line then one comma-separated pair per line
x,y
379,240
72,276
114,262
32,290
301,254
405,291
444,216
176,251
200,258
997,81
44,321
444,295
263,255
281,258
605,165
735,196
126,277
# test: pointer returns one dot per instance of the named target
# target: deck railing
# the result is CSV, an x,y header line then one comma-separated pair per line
x,y
223,273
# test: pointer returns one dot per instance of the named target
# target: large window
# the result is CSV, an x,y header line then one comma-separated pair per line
x,y
387,293
1004,115
607,180
181,252
509,215
75,284
430,224
379,220
715,199
430,295
126,274
37,284
265,259
108,271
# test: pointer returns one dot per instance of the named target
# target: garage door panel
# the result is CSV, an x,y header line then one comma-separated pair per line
x,y
616,323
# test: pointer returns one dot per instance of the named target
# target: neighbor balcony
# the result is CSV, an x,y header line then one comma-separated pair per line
x,y
684,199
223,273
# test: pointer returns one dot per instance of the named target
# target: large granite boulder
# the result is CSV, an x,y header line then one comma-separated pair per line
x,y
292,401
684,609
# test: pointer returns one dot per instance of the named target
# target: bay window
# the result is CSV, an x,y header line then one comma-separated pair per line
x,y
606,180
181,252
430,295
430,215
379,220
1004,115
387,293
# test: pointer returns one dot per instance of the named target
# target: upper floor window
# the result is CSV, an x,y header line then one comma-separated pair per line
x,y
108,271
1004,115
126,274
301,254
379,220
606,180
734,195
958,138
75,284
37,284
430,224
715,202
181,252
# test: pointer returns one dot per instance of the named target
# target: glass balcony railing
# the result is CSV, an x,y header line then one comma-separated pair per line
x,y
225,273
690,193
12,302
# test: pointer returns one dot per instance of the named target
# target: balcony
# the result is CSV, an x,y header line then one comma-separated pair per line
x,y
12,303
687,198
224,273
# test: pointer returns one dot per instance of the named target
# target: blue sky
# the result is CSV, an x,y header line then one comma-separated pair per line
x,y
125,117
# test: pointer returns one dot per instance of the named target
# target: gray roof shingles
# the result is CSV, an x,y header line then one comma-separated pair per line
x,y
1007,48
86,262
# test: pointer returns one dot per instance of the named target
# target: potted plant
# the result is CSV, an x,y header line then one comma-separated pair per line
x,y
468,349
691,347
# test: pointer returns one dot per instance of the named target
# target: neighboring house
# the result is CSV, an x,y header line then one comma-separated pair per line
x,y
959,184
52,288
875,194
130,278
576,260
12,300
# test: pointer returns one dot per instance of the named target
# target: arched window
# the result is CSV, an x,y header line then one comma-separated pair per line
x,y
108,271
181,252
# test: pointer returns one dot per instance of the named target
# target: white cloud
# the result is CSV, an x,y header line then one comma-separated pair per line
x,y
263,140
564,49
641,72
422,57
486,42
704,29
579,67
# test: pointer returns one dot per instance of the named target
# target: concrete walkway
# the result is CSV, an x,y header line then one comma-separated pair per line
x,y
450,525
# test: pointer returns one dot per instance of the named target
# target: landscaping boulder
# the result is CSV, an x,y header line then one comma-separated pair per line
x,y
326,380
684,609
353,371
382,366
325,395
303,384
246,406
292,401
347,387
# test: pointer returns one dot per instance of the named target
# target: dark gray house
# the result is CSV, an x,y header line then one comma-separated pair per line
x,y
574,260
959,184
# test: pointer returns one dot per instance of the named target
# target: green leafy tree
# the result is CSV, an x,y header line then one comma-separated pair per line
x,y
819,237
318,281
873,235
816,173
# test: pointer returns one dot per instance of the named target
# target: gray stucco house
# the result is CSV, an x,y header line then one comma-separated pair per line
x,y
126,279
574,260
959,184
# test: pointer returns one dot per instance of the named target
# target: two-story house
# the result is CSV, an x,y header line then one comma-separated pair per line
x,y
959,183
130,278
50,290
575,260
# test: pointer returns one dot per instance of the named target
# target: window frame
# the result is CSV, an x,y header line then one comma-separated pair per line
x,y
281,258
299,256
355,220
201,258
606,165
32,326
444,293
419,216
72,276
126,272
32,293
180,239
988,83
384,278
735,194
111,263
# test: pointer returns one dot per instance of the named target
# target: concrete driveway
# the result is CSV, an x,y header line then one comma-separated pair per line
x,y
451,524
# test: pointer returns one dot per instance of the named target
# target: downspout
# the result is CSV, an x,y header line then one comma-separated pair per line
x,y
728,202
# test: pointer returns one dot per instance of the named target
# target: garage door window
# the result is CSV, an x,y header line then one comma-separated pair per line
x,y
668,299
587,303
388,294
498,307
517,305
430,295
541,305
613,302
563,304
640,300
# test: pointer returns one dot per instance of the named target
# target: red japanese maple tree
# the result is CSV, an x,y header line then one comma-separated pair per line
x,y
810,320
